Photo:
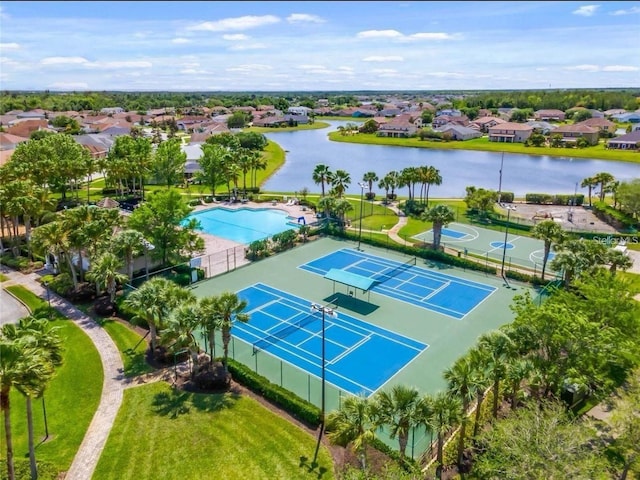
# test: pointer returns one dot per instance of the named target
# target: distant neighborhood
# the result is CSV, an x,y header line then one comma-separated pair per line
x,y
400,118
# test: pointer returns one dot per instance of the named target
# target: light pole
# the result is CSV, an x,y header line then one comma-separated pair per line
x,y
326,310
362,187
506,233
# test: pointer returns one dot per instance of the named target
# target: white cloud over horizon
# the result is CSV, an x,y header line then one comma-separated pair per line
x,y
239,23
586,10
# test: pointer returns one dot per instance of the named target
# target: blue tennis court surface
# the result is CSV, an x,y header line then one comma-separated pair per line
x,y
359,357
419,286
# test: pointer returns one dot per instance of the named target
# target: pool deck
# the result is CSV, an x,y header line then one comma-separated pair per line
x,y
215,244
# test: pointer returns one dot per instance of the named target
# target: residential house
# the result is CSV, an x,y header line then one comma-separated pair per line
x,y
271,121
304,111
483,124
401,126
190,123
541,127
602,124
9,141
510,132
194,154
441,120
451,112
24,128
390,112
506,112
111,110
552,114
209,131
614,111
571,133
458,132
631,117
37,114
630,141
596,113
98,144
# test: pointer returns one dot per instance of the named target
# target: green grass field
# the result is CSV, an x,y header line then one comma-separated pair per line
x,y
483,144
171,434
308,126
132,349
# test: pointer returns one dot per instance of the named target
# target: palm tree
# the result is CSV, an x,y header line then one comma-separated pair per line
x,y
477,359
341,207
618,259
38,334
353,424
517,371
441,216
462,379
340,181
603,179
369,178
105,271
385,184
53,238
498,348
130,244
321,175
589,183
445,416
431,177
209,321
182,323
551,233
152,303
399,410
229,308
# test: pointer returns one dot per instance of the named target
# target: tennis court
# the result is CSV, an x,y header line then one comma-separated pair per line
x,y
435,291
519,250
285,326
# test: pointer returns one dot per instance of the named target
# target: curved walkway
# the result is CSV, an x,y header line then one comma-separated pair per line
x,y
87,457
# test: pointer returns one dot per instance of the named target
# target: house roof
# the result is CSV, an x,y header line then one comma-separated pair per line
x,y
596,122
523,127
9,141
577,128
631,137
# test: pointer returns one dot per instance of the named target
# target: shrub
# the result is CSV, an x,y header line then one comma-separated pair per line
x,y
506,197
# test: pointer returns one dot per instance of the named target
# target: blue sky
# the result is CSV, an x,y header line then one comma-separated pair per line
x,y
330,46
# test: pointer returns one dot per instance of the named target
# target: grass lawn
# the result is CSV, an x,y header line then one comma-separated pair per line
x,y
633,278
3,277
171,434
71,401
483,144
132,349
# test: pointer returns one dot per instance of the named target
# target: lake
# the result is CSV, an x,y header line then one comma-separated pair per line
x,y
521,174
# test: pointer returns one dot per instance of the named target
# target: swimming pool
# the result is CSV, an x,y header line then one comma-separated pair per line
x,y
243,225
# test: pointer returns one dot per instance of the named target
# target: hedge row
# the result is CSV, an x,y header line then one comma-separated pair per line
x,y
557,199
290,402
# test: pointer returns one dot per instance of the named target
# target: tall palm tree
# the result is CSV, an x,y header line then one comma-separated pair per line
x,y
53,238
327,204
229,309
353,425
399,410
441,216
431,177
340,181
603,179
180,330
321,175
477,360
105,271
517,371
498,348
38,334
369,178
445,416
589,183
551,233
462,379
209,321
129,243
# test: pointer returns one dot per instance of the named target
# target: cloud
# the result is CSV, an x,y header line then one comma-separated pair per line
x,y
250,68
620,68
64,61
446,74
304,18
380,58
433,36
9,46
311,67
3,14
630,11
99,65
180,41
69,86
238,23
586,10
250,46
379,34
235,37
583,68
384,70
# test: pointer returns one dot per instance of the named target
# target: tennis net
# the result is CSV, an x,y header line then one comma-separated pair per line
x,y
282,332
387,274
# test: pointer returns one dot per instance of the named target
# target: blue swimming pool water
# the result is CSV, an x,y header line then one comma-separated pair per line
x,y
243,225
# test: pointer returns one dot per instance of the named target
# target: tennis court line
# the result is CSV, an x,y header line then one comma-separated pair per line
x,y
437,290
502,247
350,349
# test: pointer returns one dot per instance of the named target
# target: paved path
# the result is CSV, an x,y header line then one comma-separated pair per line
x,y
114,383
12,309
